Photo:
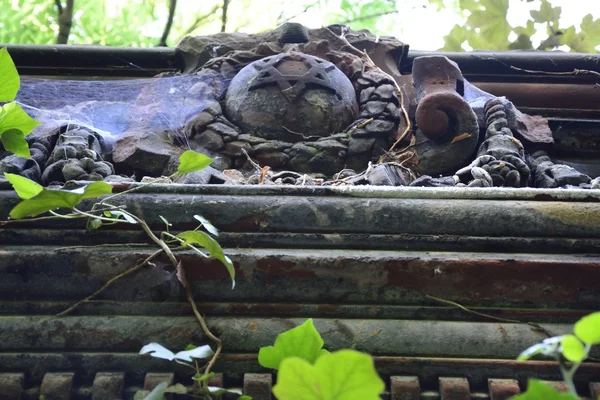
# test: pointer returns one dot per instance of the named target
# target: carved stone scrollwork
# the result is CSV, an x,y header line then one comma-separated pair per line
x,y
447,126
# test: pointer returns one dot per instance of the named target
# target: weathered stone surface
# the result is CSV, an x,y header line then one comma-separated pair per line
x,y
208,140
373,109
442,115
291,92
428,181
360,145
144,151
208,175
86,169
550,175
14,164
380,127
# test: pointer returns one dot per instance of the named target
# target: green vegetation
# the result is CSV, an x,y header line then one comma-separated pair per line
x,y
15,124
484,23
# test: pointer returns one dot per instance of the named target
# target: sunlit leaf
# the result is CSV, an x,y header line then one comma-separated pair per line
x,y
213,247
120,215
548,347
303,341
588,329
158,351
12,116
9,77
94,223
52,199
537,390
192,161
14,141
207,225
218,391
546,13
342,375
25,188
572,349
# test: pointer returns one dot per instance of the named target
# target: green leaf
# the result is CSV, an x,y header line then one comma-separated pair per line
x,y
177,388
207,225
244,397
454,40
494,28
120,215
342,375
12,116
14,141
51,199
573,349
588,329
158,393
9,77
94,223
303,341
537,390
210,244
25,188
202,378
546,14
192,161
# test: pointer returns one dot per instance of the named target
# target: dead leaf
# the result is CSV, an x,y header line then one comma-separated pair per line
x,y
460,137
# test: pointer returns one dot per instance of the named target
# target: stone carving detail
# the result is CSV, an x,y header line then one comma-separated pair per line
x,y
309,101
501,157
77,156
549,175
446,123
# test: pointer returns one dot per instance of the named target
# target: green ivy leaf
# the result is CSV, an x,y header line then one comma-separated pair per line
x,y
537,390
25,188
177,389
51,199
207,225
303,341
9,77
494,28
14,141
213,247
573,349
12,116
342,375
587,329
192,161
202,378
158,393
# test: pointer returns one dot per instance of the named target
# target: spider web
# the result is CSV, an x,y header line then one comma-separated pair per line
x,y
112,107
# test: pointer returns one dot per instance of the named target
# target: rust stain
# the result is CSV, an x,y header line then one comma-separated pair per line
x,y
198,269
585,215
480,279
273,268
253,326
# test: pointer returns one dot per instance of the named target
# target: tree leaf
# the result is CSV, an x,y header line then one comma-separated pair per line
x,y
14,141
25,188
12,116
546,13
9,77
587,329
303,341
51,199
494,28
207,225
213,247
342,375
192,161
537,390
573,349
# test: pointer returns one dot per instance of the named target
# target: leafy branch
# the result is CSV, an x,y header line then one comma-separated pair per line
x,y
37,200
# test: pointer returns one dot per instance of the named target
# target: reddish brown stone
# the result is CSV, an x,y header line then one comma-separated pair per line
x,y
405,388
258,386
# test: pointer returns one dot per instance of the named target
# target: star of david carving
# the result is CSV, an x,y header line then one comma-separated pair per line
x,y
294,86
